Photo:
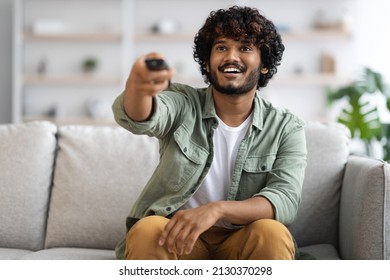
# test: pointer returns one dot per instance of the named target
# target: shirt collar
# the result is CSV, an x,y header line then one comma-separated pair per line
x,y
209,108
259,111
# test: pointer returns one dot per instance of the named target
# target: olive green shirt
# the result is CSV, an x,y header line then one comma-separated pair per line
x,y
270,161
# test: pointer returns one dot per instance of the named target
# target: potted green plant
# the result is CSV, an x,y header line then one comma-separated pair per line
x,y
89,64
361,114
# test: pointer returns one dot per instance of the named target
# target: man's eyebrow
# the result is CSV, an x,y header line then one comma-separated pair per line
x,y
246,42
221,41
242,41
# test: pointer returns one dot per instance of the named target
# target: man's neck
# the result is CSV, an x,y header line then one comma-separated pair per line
x,y
233,110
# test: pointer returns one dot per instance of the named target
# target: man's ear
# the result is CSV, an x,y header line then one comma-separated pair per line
x,y
264,70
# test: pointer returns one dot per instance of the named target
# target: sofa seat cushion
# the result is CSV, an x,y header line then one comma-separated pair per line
x,y
13,254
71,254
99,173
321,252
26,169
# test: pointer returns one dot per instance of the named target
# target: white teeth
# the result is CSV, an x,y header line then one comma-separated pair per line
x,y
231,70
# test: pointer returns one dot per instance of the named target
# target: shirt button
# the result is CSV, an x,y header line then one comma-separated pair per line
x,y
193,190
185,149
263,167
168,208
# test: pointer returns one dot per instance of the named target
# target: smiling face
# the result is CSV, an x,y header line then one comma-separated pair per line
x,y
234,67
239,23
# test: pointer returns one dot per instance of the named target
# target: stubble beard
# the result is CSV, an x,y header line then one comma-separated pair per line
x,y
248,85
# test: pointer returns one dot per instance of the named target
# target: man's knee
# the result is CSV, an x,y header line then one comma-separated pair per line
x,y
268,227
147,227
273,238
146,230
150,223
142,238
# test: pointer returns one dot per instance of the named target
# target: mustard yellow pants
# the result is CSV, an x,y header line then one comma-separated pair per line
x,y
261,240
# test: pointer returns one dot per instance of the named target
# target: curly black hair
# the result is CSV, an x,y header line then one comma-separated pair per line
x,y
240,23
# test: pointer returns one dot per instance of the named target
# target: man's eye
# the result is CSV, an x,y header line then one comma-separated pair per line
x,y
220,48
246,49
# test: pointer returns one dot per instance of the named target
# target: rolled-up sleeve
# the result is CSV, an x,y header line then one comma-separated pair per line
x,y
285,179
163,117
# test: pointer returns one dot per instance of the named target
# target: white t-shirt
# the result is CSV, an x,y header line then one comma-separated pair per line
x,y
216,184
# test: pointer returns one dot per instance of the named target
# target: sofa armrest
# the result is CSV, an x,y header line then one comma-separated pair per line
x,y
365,210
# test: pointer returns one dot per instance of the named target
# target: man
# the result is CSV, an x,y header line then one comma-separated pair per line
x,y
231,165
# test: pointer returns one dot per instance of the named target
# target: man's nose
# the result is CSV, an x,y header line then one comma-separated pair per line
x,y
232,55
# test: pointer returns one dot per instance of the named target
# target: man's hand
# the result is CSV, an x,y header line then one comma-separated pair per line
x,y
142,84
183,230
145,81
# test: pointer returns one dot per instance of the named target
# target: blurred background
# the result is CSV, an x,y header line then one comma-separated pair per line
x,y
66,60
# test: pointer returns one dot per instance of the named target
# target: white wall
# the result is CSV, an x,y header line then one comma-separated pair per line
x,y
373,35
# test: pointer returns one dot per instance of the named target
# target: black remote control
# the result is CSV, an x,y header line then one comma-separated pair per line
x,y
156,64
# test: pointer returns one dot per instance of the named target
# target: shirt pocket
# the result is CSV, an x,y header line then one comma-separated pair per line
x,y
254,175
182,161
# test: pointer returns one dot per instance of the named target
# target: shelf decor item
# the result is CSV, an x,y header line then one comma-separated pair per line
x,y
89,65
43,26
166,26
362,111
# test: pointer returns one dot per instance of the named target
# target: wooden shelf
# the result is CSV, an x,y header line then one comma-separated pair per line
x,y
315,34
320,79
150,37
73,37
71,80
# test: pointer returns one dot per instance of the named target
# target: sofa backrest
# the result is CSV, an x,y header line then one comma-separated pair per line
x,y
318,215
27,154
99,173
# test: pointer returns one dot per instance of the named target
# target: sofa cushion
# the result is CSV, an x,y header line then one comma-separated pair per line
x,y
321,252
318,214
71,254
13,254
26,164
99,173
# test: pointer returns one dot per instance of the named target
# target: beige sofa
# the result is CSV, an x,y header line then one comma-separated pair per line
x,y
65,192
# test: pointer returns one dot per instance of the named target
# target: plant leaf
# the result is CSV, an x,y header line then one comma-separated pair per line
x,y
386,141
361,119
